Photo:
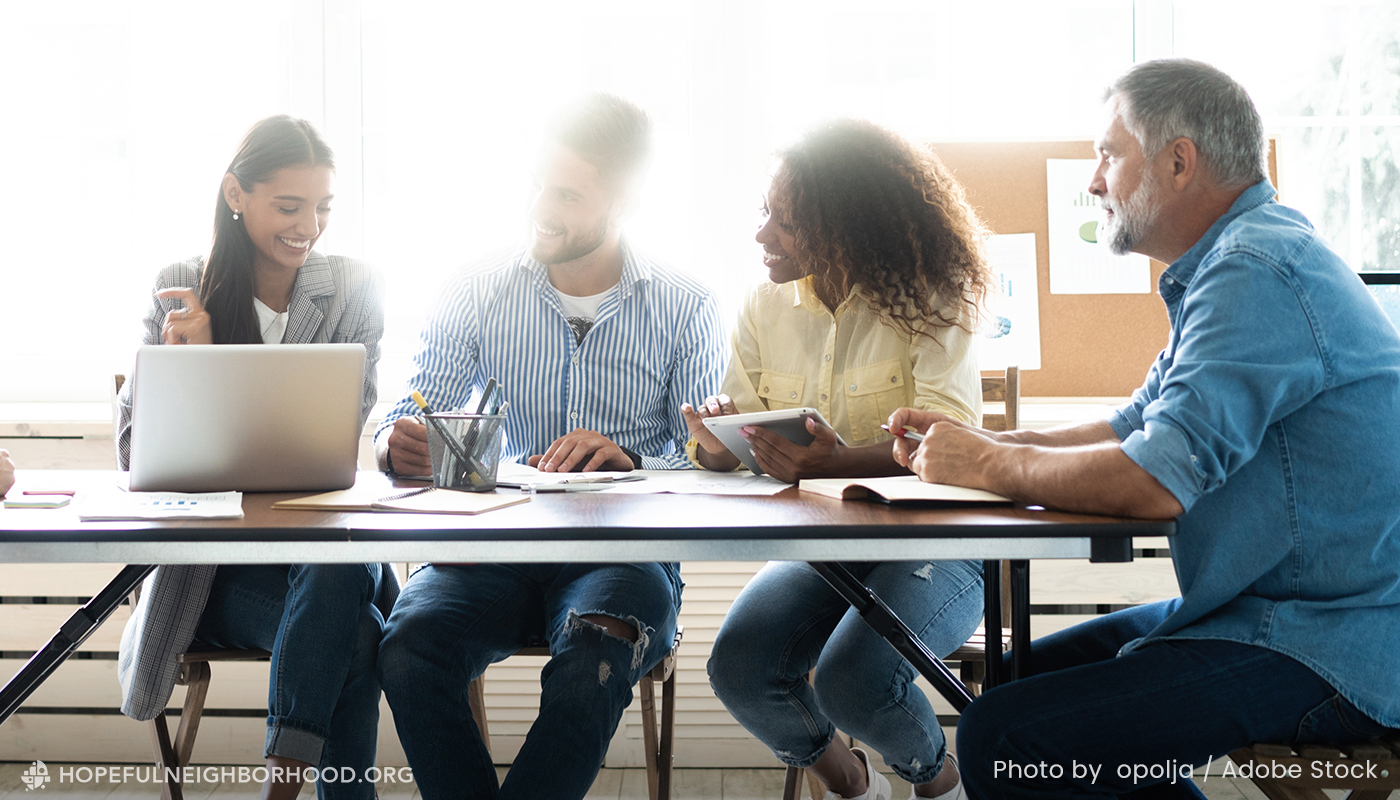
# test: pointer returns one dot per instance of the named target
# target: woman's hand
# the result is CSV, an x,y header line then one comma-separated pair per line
x,y
188,325
715,406
790,462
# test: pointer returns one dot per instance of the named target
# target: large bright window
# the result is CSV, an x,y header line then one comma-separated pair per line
x,y
122,114
1326,78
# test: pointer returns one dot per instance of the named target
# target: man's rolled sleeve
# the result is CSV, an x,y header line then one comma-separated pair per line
x,y
1164,451
1125,421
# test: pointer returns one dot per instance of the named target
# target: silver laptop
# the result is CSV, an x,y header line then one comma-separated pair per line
x,y
246,417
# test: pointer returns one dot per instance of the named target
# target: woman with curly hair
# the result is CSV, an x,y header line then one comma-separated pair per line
x,y
875,278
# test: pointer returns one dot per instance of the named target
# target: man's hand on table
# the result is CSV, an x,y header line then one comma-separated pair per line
x,y
582,450
952,452
1079,469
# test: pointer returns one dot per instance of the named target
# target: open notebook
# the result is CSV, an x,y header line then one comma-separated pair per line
x,y
903,488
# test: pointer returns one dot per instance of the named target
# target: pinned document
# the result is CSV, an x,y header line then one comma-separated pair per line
x,y
1079,262
1011,329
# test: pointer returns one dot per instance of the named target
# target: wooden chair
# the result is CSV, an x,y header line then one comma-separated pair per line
x,y
659,747
1381,755
173,755
971,656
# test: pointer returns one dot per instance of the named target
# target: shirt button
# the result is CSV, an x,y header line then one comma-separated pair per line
x,y
573,415
823,395
792,394
828,357
575,358
764,389
894,379
853,387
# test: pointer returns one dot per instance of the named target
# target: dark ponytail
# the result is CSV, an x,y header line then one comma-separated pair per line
x,y
226,287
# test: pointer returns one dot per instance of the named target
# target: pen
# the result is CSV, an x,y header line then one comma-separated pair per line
x,y
481,406
908,433
577,486
68,492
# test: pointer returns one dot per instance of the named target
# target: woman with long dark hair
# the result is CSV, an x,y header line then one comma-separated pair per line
x,y
875,275
262,283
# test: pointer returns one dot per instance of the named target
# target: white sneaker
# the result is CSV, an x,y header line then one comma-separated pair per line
x,y
955,793
877,786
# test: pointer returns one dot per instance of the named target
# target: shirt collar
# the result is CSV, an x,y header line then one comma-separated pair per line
x,y
634,269
804,295
1183,269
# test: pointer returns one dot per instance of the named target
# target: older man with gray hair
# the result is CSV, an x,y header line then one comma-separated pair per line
x,y
1266,427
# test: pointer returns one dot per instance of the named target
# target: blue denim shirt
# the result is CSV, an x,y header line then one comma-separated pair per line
x,y
1273,416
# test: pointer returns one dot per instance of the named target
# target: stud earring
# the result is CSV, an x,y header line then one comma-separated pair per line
x,y
235,214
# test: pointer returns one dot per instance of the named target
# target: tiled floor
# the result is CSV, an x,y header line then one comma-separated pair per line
x,y
612,784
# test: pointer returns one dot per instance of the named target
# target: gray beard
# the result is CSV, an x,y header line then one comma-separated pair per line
x,y
1132,220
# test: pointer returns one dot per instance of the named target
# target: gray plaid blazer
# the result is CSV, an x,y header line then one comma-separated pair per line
x,y
334,299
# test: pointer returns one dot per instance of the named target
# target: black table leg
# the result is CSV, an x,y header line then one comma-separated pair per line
x,y
893,630
991,615
69,637
1020,617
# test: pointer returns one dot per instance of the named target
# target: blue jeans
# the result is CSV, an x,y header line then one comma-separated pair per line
x,y
788,620
1177,701
322,628
451,622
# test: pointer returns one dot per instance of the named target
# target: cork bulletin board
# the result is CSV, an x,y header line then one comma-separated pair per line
x,y
1091,345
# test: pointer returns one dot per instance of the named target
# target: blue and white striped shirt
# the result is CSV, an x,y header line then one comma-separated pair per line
x,y
656,343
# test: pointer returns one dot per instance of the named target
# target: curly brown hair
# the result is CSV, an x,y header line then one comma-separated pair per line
x,y
870,211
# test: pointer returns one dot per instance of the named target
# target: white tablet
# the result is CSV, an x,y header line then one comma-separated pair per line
x,y
789,423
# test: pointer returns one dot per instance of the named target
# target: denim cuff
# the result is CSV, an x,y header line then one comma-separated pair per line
x,y
290,742
1124,421
1165,453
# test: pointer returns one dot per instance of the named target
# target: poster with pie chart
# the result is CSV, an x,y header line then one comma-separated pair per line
x,y
1079,262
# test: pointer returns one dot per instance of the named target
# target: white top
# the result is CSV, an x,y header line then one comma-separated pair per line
x,y
272,324
581,311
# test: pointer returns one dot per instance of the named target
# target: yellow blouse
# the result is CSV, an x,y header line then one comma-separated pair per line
x,y
790,351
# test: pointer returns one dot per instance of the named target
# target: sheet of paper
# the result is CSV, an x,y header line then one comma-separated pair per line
x,y
700,481
1011,330
1079,263
115,505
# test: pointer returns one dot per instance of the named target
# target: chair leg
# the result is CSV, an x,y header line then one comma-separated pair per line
x,y
792,783
1273,790
814,786
668,735
649,737
166,759
476,702
197,689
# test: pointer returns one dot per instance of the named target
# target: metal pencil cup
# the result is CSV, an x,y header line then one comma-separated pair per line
x,y
467,461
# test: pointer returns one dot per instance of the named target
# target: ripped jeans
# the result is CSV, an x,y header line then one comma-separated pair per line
x,y
451,622
788,620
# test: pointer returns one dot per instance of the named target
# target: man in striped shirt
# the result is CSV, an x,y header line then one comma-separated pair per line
x,y
596,347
